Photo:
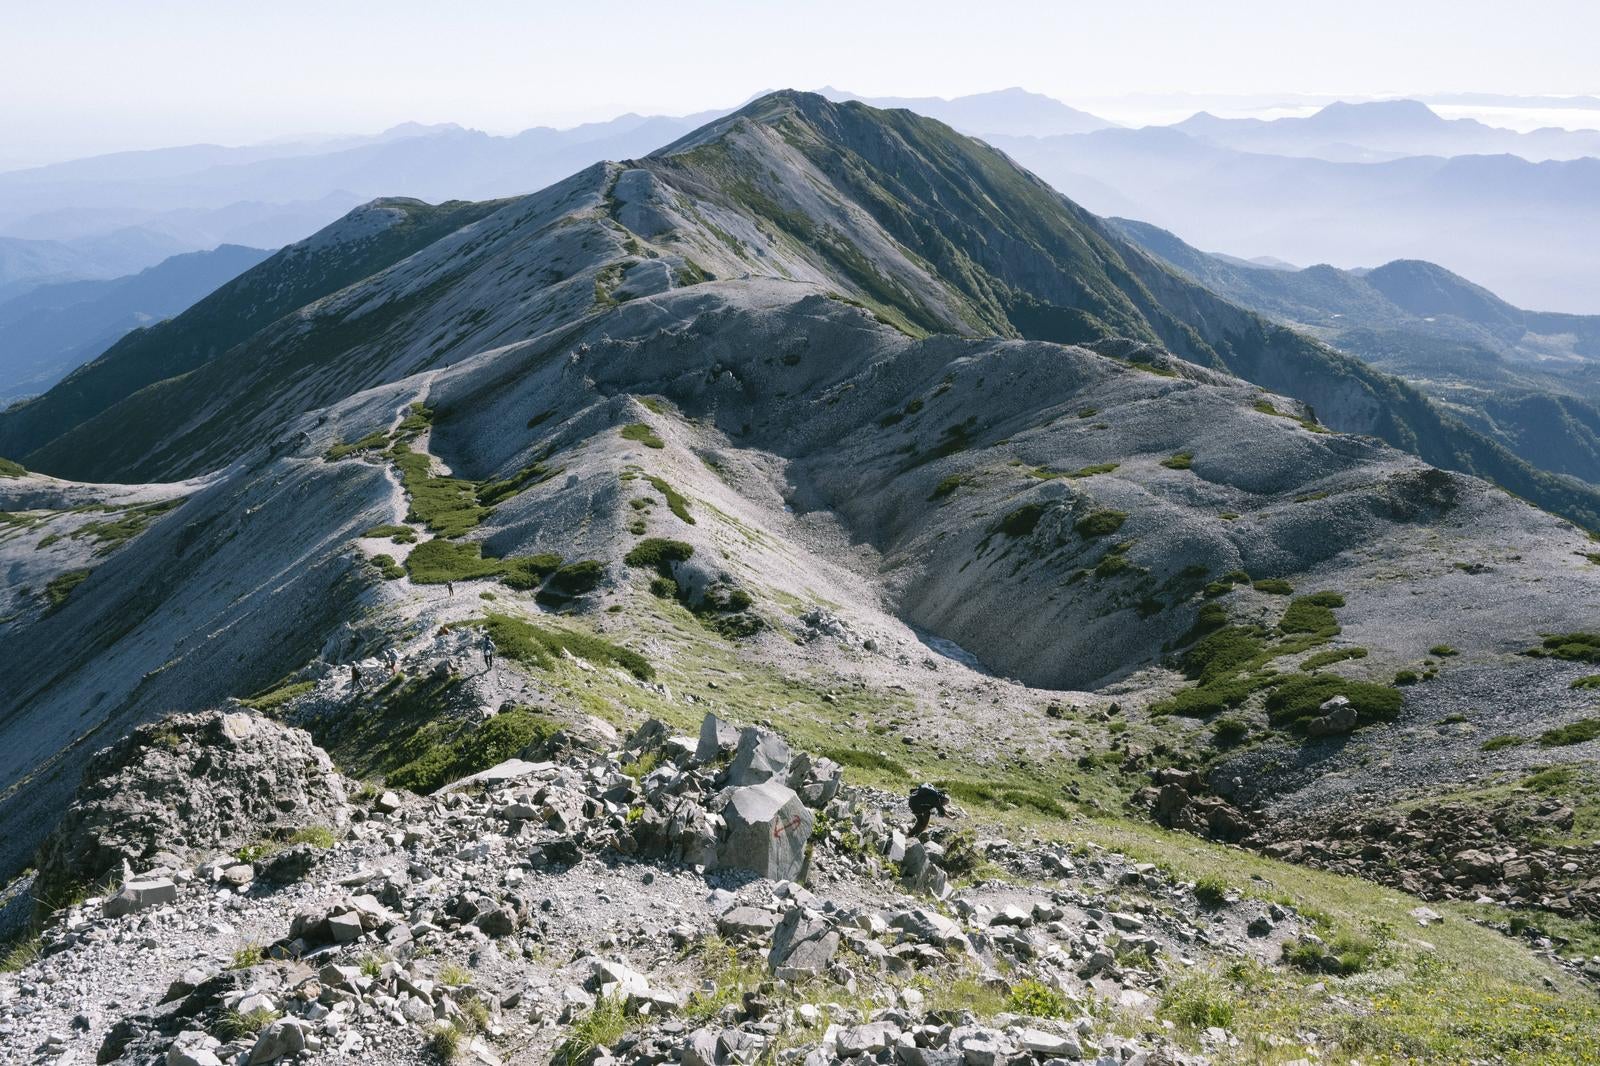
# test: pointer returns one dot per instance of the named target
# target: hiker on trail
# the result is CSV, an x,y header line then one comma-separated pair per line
x,y
451,585
924,801
391,658
488,652
355,675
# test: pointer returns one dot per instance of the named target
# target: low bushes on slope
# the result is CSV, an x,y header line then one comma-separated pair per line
x,y
541,646
1574,647
445,751
1295,700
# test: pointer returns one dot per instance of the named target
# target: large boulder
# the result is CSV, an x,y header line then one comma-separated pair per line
x,y
762,755
185,785
766,828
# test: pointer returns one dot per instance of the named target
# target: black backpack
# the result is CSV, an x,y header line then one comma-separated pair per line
x,y
925,799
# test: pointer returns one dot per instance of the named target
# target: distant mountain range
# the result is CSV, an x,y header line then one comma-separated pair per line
x,y
1352,184
50,330
1389,129
1529,380
1527,230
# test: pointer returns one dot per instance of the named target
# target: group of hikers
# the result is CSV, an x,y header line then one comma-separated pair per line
x,y
391,661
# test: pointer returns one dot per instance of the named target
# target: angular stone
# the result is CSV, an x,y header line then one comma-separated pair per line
x,y
761,756
140,895
746,921
344,928
716,739
766,831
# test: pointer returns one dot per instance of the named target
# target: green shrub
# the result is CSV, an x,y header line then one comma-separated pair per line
x,y
540,646
247,956
1211,890
643,434
472,747
437,561
234,1025
1100,523
493,492
526,572
861,759
664,587
444,1043
1574,647
1443,651
1178,461
1406,677
1198,1001
1312,614
1222,653
1091,471
61,586
10,469
276,697
1551,781
1275,586
1298,698
448,506
1022,521
1036,999
1592,681
1579,732
659,553
1328,658
676,502
576,579
946,486
376,439
1229,731
1505,740
398,534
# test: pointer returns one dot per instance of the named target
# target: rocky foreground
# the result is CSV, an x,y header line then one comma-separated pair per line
x,y
705,900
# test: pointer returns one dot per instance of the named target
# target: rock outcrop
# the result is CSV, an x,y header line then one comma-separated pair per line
x,y
187,785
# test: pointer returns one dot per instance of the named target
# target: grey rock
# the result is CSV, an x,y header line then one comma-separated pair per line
x,y
766,829
136,896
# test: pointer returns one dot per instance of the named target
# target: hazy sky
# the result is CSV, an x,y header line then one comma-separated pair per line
x,y
80,76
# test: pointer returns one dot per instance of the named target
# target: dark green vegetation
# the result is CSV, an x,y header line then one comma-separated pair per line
x,y
1021,522
947,486
1297,699
1100,523
10,469
438,561
277,695
1574,647
1579,732
1275,586
398,534
676,502
642,434
542,646
1500,743
391,570
1266,407
1179,461
113,533
658,553
373,441
1592,681
448,506
1091,471
445,751
61,586
1230,663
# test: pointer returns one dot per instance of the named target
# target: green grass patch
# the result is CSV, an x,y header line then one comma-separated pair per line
x,y
1579,732
641,433
10,469
676,502
1328,658
1312,614
947,486
60,587
1179,461
1297,699
1266,408
1573,647
445,751
448,506
1443,651
1198,1001
438,561
541,646
396,533
1092,471
1021,522
1274,586
1101,523
658,553
1592,681
1500,743
378,438
274,698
